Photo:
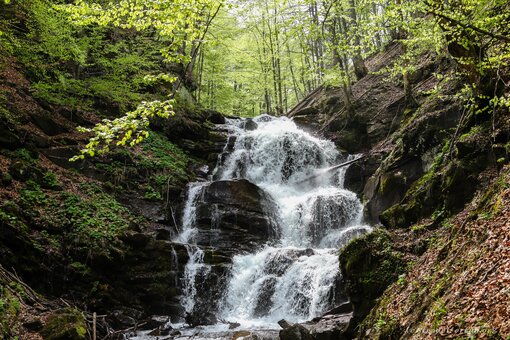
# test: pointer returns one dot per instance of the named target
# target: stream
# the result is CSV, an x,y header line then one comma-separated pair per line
x,y
292,271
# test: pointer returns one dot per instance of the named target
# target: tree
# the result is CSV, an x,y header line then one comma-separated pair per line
x,y
181,23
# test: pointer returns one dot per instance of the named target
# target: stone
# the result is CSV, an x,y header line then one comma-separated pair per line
x,y
203,318
120,319
295,332
235,214
65,324
215,117
250,125
33,325
154,322
24,171
369,264
61,155
329,327
48,124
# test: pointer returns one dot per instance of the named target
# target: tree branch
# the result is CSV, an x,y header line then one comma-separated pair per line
x,y
468,26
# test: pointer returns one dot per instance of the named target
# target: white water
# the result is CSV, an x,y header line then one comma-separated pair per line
x,y
290,281
296,278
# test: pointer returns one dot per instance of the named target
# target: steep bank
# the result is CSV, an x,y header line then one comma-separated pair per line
x,y
427,167
97,232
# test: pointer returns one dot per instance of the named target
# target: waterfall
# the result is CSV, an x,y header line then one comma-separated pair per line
x,y
295,277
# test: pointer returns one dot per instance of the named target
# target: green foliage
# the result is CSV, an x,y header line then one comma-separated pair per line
x,y
67,323
92,216
129,129
32,195
51,180
168,163
10,309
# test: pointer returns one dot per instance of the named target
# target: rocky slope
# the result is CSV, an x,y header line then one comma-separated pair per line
x,y
94,234
424,181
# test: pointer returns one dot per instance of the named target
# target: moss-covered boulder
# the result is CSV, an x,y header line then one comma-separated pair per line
x,y
65,324
369,265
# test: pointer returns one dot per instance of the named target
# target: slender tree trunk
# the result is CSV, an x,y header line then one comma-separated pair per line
x,y
360,70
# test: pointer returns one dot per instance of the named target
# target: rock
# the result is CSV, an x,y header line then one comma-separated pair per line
x,y
284,324
121,320
65,324
203,318
8,138
294,332
155,322
233,325
6,179
244,335
369,264
264,304
215,117
48,124
33,325
344,308
61,155
136,240
24,171
161,331
250,125
330,327
235,214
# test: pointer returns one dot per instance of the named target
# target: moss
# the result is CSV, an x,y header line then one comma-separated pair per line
x,y
369,264
10,308
66,324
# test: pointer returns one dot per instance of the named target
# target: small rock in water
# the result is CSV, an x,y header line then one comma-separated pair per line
x,y
284,324
250,125
244,335
233,325
154,323
193,319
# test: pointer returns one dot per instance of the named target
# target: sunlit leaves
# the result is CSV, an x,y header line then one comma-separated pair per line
x,y
130,129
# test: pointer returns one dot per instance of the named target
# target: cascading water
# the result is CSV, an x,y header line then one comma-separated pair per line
x,y
295,277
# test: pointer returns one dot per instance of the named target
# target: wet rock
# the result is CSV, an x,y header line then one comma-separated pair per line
x,y
65,324
293,331
120,319
233,325
250,125
161,331
264,303
235,215
154,322
200,318
245,335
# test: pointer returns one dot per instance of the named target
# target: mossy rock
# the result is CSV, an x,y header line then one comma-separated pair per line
x,y
369,265
65,324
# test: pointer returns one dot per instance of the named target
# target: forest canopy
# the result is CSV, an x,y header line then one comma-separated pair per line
x,y
247,57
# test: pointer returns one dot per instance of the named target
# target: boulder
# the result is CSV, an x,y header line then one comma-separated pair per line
x,y
293,331
65,324
236,215
369,264
329,327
